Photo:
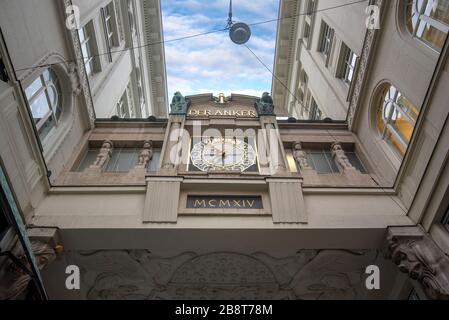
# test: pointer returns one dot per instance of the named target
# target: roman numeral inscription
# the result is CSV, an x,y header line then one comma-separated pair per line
x,y
224,202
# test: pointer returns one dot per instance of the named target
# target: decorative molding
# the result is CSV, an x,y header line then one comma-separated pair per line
x,y
138,274
82,76
416,254
362,68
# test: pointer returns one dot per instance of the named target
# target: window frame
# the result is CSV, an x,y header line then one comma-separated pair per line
x,y
111,167
88,42
110,31
55,108
326,41
349,62
394,110
423,17
327,155
315,112
121,104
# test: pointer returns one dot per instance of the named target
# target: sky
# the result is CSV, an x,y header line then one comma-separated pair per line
x,y
213,63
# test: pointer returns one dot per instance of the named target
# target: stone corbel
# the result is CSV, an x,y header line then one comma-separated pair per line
x,y
416,254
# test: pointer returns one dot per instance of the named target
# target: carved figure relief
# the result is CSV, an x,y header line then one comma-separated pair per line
x,y
145,155
103,155
300,156
417,255
340,157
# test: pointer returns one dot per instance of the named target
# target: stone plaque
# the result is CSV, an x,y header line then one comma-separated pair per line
x,y
224,202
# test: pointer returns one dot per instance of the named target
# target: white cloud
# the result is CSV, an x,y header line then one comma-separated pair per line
x,y
212,63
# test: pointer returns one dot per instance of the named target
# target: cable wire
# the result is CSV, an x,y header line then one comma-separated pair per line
x,y
272,73
187,37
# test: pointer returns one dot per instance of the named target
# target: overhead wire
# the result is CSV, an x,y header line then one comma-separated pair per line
x,y
46,65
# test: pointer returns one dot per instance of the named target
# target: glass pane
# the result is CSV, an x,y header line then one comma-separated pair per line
x,y
89,68
52,96
333,166
46,128
33,88
46,75
319,162
81,34
355,161
433,36
40,107
89,159
85,51
154,163
122,160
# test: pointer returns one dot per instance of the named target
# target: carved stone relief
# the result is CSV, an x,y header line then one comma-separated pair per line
x,y
417,255
362,69
14,279
81,72
138,274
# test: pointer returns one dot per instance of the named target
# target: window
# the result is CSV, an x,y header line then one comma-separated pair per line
x,y
396,119
123,159
304,80
306,32
110,28
315,112
326,40
322,161
87,39
154,162
310,7
348,65
355,161
428,20
123,106
45,100
88,160
132,19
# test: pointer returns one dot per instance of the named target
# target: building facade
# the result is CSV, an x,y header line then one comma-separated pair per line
x,y
222,199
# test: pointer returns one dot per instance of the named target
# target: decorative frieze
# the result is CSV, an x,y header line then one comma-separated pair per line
x,y
362,69
80,71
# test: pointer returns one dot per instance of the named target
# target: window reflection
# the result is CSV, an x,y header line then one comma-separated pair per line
x,y
396,119
428,20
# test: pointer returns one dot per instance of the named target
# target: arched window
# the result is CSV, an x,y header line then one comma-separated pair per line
x,y
45,100
428,20
396,119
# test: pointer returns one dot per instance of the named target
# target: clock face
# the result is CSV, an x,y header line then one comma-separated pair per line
x,y
221,154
